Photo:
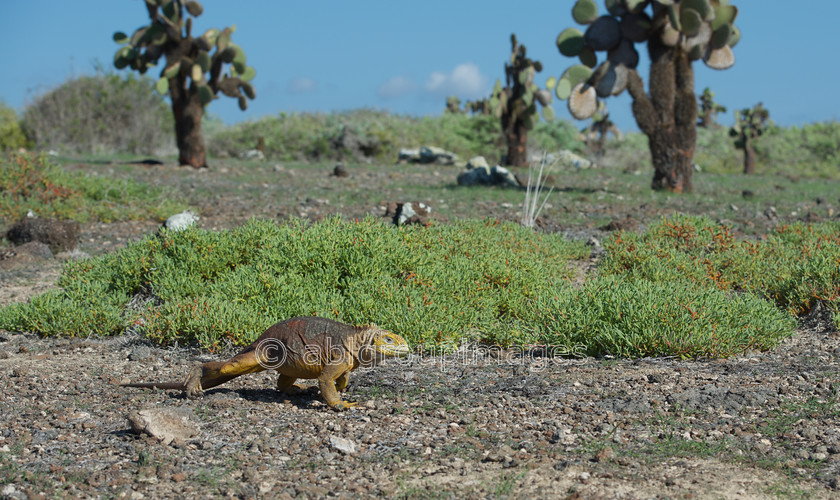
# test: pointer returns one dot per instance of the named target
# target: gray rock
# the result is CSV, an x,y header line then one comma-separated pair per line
x,y
471,177
484,176
570,160
500,175
181,221
432,154
409,155
343,445
341,171
411,212
253,154
164,424
477,162
11,493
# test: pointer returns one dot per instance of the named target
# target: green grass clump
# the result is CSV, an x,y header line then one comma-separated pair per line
x,y
439,287
30,182
794,267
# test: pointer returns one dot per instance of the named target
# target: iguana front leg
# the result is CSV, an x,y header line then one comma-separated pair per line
x,y
333,375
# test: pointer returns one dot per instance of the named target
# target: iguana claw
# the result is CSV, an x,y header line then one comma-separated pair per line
x,y
344,405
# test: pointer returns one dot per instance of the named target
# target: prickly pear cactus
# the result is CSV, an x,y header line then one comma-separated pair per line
x,y
709,109
750,123
199,59
703,29
516,104
453,105
194,70
677,33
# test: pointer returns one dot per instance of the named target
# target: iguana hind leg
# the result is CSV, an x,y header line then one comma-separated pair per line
x,y
341,382
286,385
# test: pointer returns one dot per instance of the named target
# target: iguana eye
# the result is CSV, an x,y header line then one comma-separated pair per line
x,y
389,340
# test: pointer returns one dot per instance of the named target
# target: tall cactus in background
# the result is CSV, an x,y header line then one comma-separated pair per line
x,y
193,74
516,103
709,110
750,123
677,33
453,105
595,135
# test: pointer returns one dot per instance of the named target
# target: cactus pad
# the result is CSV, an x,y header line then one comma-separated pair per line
x,y
724,14
196,73
588,58
702,7
721,36
635,6
690,21
635,27
563,89
583,102
162,86
570,42
603,34
249,90
548,113
171,71
585,11
203,60
736,36
624,53
122,39
721,58
615,7
194,8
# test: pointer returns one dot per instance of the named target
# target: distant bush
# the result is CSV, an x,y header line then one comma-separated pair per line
x,y
321,136
812,150
104,113
30,182
11,134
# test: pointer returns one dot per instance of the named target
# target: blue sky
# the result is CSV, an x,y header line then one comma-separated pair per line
x,y
406,57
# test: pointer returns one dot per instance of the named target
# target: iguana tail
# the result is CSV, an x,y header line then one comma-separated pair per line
x,y
178,386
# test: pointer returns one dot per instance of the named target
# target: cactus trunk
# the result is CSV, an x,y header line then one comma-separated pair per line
x,y
749,157
517,138
668,116
188,110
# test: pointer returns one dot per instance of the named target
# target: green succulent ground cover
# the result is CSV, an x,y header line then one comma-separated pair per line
x,y
31,182
446,285
794,267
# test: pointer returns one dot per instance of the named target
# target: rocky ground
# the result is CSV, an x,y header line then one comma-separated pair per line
x,y
478,423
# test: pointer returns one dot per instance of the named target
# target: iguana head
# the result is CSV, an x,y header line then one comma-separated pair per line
x,y
382,344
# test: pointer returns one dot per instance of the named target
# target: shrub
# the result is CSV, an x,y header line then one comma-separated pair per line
x,y
104,113
796,266
11,134
30,182
439,287
318,136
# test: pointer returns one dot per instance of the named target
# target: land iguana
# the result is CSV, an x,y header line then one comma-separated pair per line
x,y
303,347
